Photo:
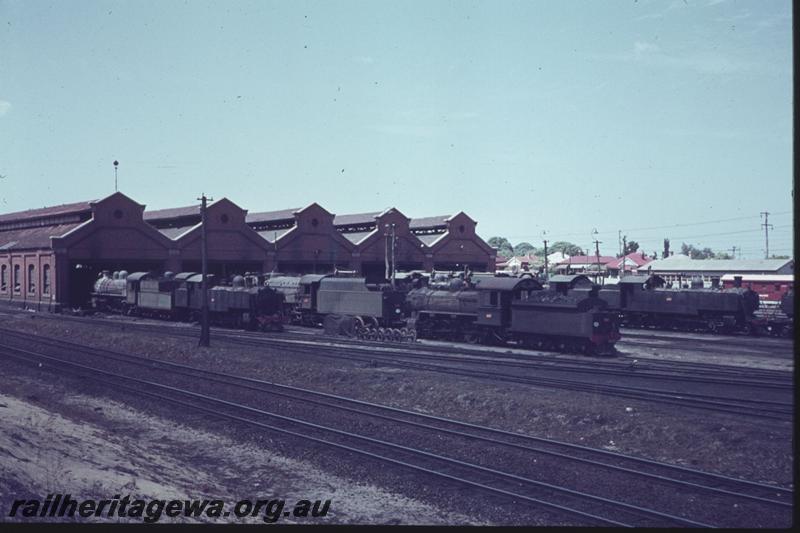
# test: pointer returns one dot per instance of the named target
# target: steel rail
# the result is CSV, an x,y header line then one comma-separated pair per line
x,y
260,385
636,510
780,411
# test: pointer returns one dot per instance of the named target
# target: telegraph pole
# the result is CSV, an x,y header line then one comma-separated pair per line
x,y
386,251
545,260
619,243
767,226
116,164
597,254
394,266
205,333
733,251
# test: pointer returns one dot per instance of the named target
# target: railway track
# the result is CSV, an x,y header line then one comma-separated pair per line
x,y
620,366
86,361
512,373
709,338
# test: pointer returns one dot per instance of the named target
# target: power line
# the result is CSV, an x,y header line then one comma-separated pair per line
x,y
703,223
668,226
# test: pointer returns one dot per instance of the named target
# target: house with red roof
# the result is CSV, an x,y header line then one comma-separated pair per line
x,y
629,264
585,264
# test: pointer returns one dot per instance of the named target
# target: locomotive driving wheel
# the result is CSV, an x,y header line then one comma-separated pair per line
x,y
472,337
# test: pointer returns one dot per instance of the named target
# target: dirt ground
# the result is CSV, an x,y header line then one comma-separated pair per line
x,y
96,448
101,446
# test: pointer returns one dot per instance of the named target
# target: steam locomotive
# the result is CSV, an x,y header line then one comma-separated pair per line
x,y
567,316
642,301
244,303
476,308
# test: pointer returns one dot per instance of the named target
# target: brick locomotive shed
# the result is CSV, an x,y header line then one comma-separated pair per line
x,y
50,257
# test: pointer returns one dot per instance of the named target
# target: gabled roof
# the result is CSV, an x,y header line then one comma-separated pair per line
x,y
174,233
271,235
173,212
634,258
431,238
358,236
33,238
429,222
42,212
356,218
271,216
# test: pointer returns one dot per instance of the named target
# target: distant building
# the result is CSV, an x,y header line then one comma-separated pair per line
x,y
682,267
555,258
523,263
630,264
770,287
585,264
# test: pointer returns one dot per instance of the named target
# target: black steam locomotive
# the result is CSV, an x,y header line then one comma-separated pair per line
x,y
244,303
568,316
642,301
478,308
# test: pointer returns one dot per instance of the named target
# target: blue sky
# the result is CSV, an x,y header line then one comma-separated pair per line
x,y
531,116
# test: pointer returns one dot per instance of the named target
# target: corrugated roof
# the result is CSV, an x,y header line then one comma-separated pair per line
x,y
173,212
271,235
429,222
358,236
430,238
33,238
271,216
356,218
683,263
41,212
174,233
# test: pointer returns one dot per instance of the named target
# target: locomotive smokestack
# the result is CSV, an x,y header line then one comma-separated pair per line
x,y
737,281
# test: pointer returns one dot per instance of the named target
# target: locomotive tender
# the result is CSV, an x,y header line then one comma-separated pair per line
x,y
377,310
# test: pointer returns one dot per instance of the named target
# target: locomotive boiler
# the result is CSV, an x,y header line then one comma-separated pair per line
x,y
643,302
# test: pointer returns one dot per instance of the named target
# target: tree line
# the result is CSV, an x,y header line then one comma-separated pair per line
x,y
506,249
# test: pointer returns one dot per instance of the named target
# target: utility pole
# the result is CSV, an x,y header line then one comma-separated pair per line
x,y
394,266
116,164
205,333
597,254
733,251
386,251
275,256
619,243
545,261
767,226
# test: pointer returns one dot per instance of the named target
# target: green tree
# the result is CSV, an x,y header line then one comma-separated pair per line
x,y
630,247
524,248
665,254
502,245
722,255
566,248
696,253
